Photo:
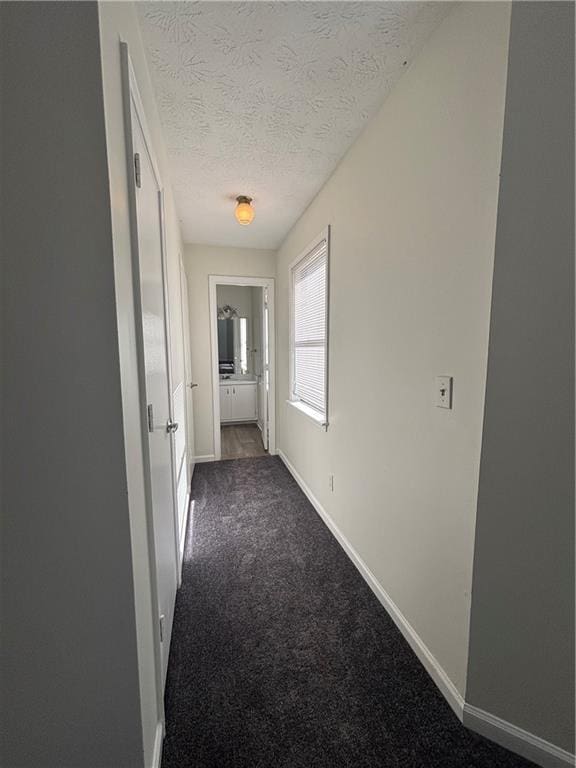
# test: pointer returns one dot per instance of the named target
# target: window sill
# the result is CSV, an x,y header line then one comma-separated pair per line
x,y
310,413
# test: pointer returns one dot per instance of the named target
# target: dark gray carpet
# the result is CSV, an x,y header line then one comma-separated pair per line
x,y
281,655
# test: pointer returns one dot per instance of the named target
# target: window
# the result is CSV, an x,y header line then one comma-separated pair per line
x,y
309,330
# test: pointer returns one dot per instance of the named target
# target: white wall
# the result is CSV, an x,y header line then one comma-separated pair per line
x,y
521,665
118,21
413,211
70,677
200,262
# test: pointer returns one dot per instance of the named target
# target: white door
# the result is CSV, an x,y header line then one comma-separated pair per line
x,y
264,381
189,386
150,239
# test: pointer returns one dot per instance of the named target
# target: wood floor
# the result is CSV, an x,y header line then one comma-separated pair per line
x,y
241,441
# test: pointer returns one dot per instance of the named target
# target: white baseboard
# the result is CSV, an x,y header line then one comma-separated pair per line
x,y
158,739
516,739
232,422
206,457
507,735
436,672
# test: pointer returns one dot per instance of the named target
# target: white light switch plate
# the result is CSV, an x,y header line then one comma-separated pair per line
x,y
443,392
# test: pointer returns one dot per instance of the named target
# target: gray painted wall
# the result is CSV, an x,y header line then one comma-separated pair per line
x,y
521,664
70,680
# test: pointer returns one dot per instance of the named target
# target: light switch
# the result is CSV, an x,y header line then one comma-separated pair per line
x,y
443,394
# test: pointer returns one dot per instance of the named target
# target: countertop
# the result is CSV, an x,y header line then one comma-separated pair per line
x,y
235,382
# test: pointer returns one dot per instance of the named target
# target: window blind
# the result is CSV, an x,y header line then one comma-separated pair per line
x,y
309,328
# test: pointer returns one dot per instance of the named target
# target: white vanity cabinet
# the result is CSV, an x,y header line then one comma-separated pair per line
x,y
238,401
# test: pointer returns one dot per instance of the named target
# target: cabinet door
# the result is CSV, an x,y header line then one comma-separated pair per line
x,y
244,401
225,403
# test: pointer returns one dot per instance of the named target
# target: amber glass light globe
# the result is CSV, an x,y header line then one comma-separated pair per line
x,y
244,212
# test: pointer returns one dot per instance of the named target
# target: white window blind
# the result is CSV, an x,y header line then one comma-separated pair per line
x,y
310,328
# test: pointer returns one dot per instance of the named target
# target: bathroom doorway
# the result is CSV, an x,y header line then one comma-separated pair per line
x,y
242,348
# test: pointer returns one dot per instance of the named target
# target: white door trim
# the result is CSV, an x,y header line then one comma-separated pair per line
x,y
187,360
168,346
251,282
188,401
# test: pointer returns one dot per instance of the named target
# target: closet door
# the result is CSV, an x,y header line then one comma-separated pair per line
x,y
158,405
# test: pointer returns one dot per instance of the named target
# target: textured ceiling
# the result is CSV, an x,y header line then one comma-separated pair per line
x,y
264,98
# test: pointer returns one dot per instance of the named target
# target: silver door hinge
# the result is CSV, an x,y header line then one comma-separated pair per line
x,y
137,174
162,628
150,414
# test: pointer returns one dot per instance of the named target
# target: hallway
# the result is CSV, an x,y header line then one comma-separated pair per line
x,y
282,656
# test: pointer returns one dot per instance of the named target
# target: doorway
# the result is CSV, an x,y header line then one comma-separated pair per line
x,y
242,351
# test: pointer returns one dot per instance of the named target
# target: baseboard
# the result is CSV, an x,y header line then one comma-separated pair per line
x,y
158,739
516,739
436,672
507,735
205,458
232,422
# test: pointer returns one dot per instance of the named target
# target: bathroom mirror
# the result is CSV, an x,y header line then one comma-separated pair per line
x,y
233,346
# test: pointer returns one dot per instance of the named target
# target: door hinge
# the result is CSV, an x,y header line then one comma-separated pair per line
x,y
137,173
162,628
150,414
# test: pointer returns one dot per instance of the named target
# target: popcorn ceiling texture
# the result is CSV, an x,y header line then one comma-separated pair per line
x,y
264,98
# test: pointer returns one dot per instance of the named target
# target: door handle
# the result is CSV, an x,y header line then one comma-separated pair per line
x,y
171,426
192,385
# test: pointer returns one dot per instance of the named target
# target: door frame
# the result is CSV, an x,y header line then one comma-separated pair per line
x,y
133,107
185,318
189,457
249,282
168,345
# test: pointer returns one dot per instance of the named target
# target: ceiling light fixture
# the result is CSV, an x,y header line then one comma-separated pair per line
x,y
244,212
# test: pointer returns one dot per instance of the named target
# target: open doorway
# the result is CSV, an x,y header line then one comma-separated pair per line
x,y
242,349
